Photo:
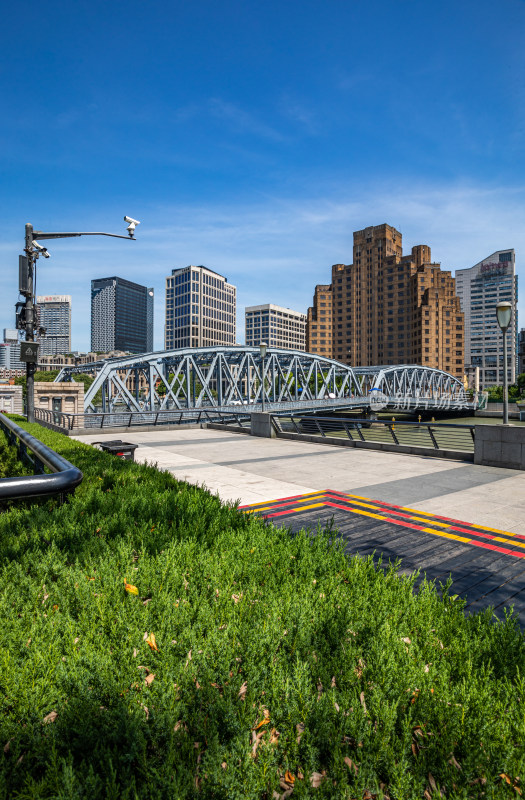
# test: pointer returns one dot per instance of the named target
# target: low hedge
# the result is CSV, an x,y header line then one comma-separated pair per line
x,y
157,643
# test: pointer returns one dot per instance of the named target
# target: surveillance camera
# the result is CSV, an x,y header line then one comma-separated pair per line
x,y
42,250
132,224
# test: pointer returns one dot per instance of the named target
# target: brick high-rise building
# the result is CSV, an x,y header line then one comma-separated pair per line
x,y
388,308
319,323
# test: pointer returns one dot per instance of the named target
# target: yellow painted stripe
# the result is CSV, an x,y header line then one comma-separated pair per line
x,y
495,530
434,521
297,499
447,535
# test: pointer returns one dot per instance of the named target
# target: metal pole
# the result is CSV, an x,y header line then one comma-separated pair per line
x,y
29,323
262,383
505,381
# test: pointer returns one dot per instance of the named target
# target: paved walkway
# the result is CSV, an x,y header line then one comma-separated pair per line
x,y
250,470
414,512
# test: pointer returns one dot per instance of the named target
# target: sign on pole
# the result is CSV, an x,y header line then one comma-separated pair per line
x,y
29,352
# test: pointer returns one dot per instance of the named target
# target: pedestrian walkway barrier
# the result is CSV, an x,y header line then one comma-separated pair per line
x,y
64,477
431,435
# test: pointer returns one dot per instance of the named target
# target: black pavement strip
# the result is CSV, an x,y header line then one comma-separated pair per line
x,y
504,596
483,577
467,582
499,580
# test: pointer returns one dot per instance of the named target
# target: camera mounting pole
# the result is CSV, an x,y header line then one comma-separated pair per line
x,y
26,288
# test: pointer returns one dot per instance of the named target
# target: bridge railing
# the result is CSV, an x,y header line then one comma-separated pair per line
x,y
62,421
64,480
431,435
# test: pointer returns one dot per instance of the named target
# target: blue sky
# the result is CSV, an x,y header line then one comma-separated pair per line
x,y
255,138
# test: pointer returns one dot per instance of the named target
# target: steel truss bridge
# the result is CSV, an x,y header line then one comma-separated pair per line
x,y
228,377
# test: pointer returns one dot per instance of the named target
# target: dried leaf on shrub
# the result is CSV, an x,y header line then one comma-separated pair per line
x,y
236,597
130,589
224,765
316,778
274,736
406,640
149,679
256,738
7,747
350,764
51,717
243,690
289,778
265,720
362,699
152,642
300,728
452,761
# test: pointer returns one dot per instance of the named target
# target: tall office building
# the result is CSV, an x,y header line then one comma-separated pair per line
x,y
521,351
11,339
54,315
390,308
121,316
319,322
200,309
479,289
277,326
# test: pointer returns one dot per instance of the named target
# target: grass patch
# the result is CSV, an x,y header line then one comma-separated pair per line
x,y
281,664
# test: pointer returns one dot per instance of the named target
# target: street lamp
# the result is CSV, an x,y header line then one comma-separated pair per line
x,y
262,349
26,316
504,315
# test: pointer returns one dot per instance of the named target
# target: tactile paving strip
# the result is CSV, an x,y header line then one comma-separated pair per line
x,y
505,542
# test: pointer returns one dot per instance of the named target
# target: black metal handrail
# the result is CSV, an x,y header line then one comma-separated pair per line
x,y
61,420
431,435
65,476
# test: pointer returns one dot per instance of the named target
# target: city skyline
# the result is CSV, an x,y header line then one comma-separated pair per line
x,y
260,157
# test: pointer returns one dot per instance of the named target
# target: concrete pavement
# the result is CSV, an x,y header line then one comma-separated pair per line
x,y
250,470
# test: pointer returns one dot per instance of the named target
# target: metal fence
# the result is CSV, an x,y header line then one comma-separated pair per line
x,y
62,421
434,435
65,476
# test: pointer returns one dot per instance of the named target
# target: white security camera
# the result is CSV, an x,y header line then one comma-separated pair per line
x,y
132,225
42,250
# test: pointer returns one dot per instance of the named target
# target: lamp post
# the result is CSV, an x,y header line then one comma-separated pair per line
x,y
262,349
26,311
504,315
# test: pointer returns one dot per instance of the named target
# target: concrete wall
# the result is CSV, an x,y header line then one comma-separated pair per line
x,y
500,446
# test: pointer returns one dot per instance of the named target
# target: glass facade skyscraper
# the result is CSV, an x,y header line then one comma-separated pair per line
x,y
200,309
121,316
54,315
479,289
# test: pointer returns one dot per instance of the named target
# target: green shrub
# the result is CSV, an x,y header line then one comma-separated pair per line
x,y
277,657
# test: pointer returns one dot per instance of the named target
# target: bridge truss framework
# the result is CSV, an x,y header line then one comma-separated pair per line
x,y
228,376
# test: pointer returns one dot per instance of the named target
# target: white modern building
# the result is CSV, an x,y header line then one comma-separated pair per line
x,y
200,309
479,289
277,326
54,316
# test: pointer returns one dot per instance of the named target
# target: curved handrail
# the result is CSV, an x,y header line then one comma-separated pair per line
x,y
65,478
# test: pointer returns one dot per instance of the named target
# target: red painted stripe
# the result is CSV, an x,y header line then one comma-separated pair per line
x,y
488,546
393,521
280,499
